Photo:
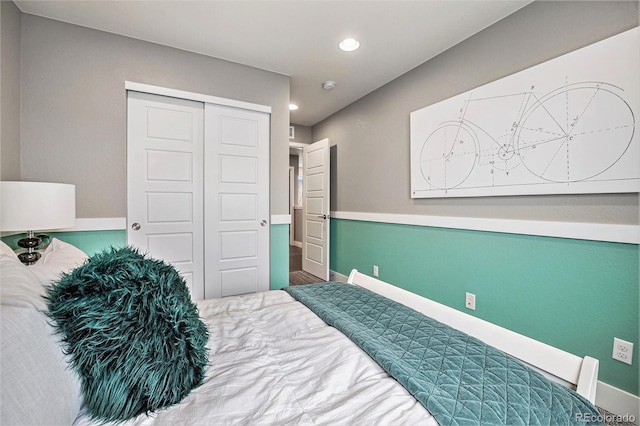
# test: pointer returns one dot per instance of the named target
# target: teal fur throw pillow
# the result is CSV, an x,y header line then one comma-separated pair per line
x,y
132,333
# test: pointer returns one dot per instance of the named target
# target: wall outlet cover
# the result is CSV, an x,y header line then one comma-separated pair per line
x,y
470,301
622,351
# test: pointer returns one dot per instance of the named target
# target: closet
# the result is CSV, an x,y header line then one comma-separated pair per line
x,y
198,190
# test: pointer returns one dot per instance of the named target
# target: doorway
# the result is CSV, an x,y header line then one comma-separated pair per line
x,y
309,210
296,179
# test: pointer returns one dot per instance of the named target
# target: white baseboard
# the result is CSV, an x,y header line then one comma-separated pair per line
x,y
337,276
618,402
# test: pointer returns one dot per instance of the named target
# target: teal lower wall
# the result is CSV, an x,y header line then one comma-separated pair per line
x,y
573,294
90,242
279,268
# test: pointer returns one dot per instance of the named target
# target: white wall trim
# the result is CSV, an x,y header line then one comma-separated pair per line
x,y
164,91
120,223
99,224
617,401
281,219
582,231
297,145
87,224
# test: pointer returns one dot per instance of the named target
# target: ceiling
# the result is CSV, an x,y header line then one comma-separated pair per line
x,y
296,38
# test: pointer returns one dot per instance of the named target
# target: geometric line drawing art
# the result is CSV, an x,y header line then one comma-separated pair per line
x,y
565,126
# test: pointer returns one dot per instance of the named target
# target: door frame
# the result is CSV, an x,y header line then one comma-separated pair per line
x,y
292,192
193,96
292,211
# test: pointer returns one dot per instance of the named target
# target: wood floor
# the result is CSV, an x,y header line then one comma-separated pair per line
x,y
295,258
296,275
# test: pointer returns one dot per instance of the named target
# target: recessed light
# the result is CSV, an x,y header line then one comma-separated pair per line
x,y
349,44
293,107
329,85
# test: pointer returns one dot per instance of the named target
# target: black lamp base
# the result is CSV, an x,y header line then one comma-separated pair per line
x,y
30,242
29,258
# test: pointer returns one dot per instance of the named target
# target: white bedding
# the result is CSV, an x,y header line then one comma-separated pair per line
x,y
273,361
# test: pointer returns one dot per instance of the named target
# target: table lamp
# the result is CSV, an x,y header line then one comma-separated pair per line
x,y
30,206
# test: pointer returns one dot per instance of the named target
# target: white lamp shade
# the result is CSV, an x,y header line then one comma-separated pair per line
x,y
37,206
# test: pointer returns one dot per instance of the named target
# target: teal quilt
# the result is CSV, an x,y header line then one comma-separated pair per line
x,y
458,378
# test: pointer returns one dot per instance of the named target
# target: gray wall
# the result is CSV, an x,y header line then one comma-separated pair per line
x,y
74,107
371,136
9,91
302,134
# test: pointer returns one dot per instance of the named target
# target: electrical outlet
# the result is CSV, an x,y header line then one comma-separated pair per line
x,y
622,350
375,270
470,301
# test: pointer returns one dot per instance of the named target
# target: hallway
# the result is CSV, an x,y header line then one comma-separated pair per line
x,y
296,275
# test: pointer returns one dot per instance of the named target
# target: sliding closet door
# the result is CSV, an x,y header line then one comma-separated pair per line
x,y
165,182
236,201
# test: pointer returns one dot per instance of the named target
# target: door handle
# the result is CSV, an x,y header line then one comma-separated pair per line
x,y
324,216
263,222
135,226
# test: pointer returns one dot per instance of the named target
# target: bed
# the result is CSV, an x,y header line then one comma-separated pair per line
x,y
274,360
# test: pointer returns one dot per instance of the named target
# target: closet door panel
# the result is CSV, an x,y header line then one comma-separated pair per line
x,y
236,201
165,182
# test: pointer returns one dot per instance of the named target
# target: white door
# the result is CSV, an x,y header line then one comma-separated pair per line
x,y
164,182
236,201
315,209
292,192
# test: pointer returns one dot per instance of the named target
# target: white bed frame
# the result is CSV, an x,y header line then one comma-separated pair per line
x,y
580,374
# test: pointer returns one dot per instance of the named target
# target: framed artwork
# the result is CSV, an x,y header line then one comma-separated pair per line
x,y
565,126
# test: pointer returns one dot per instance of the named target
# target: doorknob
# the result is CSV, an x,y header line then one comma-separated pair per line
x,y
263,222
135,226
324,216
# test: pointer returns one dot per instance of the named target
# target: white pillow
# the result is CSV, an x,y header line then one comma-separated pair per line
x,y
20,287
5,250
37,385
59,257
